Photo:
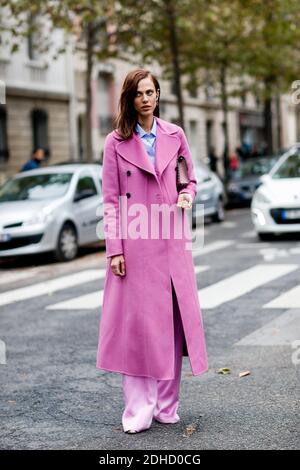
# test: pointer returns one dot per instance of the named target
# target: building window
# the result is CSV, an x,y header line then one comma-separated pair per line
x,y
105,83
192,86
39,122
244,98
34,38
193,138
3,136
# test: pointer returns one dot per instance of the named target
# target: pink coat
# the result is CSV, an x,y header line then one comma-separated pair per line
x,y
136,334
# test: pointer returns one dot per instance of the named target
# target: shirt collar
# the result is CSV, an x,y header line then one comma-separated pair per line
x,y
141,131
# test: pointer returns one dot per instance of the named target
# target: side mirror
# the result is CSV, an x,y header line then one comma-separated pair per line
x,y
264,178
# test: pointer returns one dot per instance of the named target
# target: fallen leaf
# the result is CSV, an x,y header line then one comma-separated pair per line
x,y
243,374
190,429
224,370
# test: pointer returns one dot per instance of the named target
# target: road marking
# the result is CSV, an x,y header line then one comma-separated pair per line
x,y
228,224
94,299
214,246
200,269
9,277
252,245
290,299
241,283
249,234
281,331
84,302
48,287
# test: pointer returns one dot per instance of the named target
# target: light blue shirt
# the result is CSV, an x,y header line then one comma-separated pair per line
x,y
148,140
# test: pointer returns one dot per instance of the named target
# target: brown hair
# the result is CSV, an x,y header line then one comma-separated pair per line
x,y
127,115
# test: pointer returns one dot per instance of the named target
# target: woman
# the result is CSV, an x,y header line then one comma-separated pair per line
x,y
151,315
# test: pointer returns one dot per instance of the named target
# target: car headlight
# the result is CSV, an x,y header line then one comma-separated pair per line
x,y
233,187
41,217
261,197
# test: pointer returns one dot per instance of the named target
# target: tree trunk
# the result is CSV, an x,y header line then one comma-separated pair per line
x,y
175,59
268,117
279,126
224,99
89,68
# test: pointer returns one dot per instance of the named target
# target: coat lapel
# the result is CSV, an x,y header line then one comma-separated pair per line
x,y
167,144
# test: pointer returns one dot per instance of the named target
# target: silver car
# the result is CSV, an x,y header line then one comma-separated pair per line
x,y
57,208
210,196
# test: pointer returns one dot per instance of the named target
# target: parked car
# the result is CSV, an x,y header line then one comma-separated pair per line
x,y
275,206
210,194
56,209
246,179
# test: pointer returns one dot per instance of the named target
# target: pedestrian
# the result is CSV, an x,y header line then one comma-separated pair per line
x,y
35,161
151,315
213,160
233,161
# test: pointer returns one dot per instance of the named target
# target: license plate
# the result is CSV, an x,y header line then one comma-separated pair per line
x,y
292,214
5,237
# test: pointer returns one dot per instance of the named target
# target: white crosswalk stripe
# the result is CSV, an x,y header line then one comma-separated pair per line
x,y
47,287
9,277
281,331
290,299
214,246
84,302
94,299
241,283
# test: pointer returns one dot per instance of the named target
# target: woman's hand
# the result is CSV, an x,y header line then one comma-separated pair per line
x,y
118,265
185,200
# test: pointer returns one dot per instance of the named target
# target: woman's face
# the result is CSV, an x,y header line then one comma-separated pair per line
x,y
145,98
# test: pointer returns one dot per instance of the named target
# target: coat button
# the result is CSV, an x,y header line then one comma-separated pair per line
x,y
128,195
128,172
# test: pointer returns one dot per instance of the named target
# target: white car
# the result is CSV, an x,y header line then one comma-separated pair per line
x,y
275,206
57,208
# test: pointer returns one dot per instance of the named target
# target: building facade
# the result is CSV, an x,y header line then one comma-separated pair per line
x,y
39,108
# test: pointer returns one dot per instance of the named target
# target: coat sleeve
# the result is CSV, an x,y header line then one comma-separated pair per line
x,y
111,193
184,150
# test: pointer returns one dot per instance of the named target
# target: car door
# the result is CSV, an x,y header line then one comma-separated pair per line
x,y
85,203
205,188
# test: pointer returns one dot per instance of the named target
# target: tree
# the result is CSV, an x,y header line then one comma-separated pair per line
x,y
216,50
272,59
86,22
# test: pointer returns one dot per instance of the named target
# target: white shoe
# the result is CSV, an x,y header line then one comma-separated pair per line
x,y
131,431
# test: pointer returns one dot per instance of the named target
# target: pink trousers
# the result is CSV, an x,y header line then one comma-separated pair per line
x,y
147,398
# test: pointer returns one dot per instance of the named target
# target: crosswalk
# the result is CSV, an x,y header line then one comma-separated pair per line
x,y
241,283
228,289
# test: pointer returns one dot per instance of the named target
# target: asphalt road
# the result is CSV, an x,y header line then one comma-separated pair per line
x,y
53,397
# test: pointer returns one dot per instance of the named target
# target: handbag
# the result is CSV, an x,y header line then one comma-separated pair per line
x,y
182,178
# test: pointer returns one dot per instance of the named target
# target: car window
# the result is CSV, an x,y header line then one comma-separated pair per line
x,y
202,173
256,167
35,187
86,183
290,168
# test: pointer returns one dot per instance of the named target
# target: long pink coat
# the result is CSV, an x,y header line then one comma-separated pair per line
x,y
136,335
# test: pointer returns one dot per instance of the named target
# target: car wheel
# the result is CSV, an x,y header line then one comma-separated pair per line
x,y
67,243
265,236
219,215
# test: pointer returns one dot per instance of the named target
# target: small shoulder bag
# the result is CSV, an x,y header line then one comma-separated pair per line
x,y
182,178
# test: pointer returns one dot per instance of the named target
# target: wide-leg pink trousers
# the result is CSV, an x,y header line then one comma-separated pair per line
x,y
147,398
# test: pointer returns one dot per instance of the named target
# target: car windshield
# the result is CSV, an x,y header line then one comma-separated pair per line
x,y
255,167
202,172
290,168
35,187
